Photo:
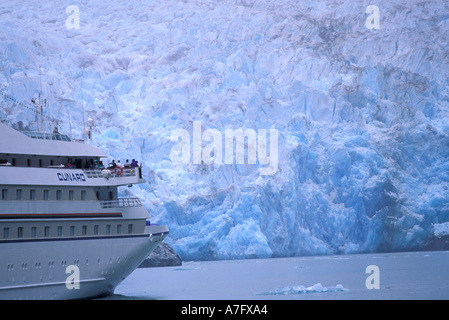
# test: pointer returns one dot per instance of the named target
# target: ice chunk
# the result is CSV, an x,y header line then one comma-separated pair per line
x,y
316,288
441,229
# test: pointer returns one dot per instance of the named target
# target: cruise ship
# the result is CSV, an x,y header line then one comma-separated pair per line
x,y
64,231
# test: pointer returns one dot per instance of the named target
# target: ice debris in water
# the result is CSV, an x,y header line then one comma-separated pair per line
x,y
316,288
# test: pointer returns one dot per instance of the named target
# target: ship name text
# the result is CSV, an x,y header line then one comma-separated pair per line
x,y
71,176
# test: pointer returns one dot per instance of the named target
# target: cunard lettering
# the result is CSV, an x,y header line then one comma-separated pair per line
x,y
71,176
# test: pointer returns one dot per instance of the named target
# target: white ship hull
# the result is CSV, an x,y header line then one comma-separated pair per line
x,y
37,269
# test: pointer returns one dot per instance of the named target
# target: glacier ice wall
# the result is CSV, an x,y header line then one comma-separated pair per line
x,y
362,114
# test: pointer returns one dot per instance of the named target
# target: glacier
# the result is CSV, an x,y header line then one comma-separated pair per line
x,y
362,114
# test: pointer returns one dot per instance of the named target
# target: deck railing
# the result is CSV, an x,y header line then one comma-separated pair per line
x,y
98,173
121,203
47,136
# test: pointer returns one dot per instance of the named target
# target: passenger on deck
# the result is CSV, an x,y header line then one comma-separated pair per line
x,y
89,164
134,163
112,165
4,163
127,164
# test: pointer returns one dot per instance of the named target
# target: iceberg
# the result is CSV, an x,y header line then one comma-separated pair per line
x,y
361,114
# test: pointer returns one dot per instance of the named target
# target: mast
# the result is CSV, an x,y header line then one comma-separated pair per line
x,y
39,105
90,125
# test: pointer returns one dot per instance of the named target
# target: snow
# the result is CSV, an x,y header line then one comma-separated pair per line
x,y
361,114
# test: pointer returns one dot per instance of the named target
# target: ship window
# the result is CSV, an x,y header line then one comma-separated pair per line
x,y
29,162
58,195
83,195
59,231
32,194
47,231
4,194
45,194
40,163
108,229
96,228
33,232
6,233
72,231
130,228
84,230
71,195
119,229
19,194
20,232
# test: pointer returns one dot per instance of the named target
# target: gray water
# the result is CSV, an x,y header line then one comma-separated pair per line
x,y
410,275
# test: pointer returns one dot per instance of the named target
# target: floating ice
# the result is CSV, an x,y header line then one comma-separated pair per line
x,y
316,288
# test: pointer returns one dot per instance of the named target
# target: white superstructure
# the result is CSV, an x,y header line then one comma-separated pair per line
x,y
64,233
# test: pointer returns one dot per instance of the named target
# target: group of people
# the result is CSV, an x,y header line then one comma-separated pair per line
x,y
127,164
92,164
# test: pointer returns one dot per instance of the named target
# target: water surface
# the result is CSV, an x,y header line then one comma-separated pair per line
x,y
410,275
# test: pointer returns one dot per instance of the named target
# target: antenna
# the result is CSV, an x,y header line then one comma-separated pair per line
x,y
82,109
39,105
70,124
90,125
